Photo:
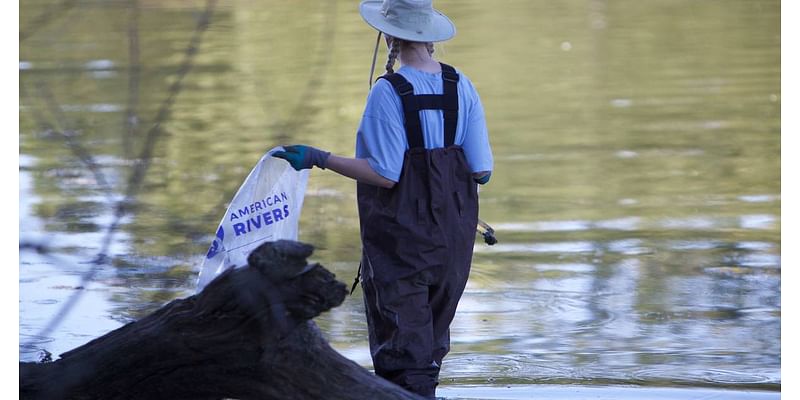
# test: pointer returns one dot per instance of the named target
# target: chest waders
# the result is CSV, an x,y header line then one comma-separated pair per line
x,y
417,241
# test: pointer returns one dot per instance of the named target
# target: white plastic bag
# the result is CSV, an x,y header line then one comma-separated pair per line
x,y
266,208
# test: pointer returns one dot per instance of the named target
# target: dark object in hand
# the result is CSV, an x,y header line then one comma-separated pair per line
x,y
488,233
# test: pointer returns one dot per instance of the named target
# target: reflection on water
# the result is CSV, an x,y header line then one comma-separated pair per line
x,y
636,193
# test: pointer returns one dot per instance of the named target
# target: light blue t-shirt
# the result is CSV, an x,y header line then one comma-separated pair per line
x,y
381,137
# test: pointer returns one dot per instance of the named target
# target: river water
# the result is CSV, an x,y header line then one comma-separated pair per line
x,y
636,193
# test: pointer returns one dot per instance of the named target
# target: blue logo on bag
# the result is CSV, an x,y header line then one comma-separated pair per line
x,y
216,245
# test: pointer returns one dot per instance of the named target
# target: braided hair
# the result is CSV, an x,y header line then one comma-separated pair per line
x,y
394,51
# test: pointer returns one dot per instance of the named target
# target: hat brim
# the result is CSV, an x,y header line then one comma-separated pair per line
x,y
439,28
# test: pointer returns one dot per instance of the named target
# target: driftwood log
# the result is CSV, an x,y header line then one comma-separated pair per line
x,y
247,335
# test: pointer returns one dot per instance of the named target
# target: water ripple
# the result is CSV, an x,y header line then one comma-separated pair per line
x,y
554,247
759,198
716,376
758,221
629,247
31,344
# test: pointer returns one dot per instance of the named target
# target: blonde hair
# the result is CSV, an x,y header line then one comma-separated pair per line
x,y
395,46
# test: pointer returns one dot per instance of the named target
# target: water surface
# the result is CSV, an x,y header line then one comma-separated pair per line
x,y
636,192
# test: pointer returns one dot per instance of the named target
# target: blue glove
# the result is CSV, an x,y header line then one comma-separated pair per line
x,y
303,157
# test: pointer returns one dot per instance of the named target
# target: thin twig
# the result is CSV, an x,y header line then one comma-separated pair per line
x,y
46,17
131,122
140,168
69,137
299,116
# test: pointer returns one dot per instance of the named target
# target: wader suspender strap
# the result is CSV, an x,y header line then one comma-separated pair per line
x,y
412,104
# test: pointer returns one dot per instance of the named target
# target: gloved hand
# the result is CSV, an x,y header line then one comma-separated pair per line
x,y
303,157
482,180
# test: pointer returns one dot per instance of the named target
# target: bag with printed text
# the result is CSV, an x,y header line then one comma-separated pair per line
x,y
266,208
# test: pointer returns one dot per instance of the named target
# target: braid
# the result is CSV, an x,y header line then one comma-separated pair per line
x,y
394,51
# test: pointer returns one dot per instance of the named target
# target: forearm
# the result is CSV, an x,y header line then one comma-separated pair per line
x,y
358,169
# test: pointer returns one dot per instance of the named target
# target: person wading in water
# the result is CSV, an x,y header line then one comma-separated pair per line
x,y
422,148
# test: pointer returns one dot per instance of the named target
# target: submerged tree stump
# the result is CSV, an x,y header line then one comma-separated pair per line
x,y
247,335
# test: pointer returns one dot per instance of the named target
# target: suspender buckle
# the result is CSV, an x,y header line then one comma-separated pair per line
x,y
405,88
450,76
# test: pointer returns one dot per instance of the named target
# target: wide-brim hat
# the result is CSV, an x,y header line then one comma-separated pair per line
x,y
413,20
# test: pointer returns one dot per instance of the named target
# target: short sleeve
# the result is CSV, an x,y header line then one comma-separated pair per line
x,y
476,145
381,136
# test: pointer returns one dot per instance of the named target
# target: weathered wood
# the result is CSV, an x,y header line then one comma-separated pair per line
x,y
247,335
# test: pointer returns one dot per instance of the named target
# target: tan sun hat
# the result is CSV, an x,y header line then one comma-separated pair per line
x,y
413,20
